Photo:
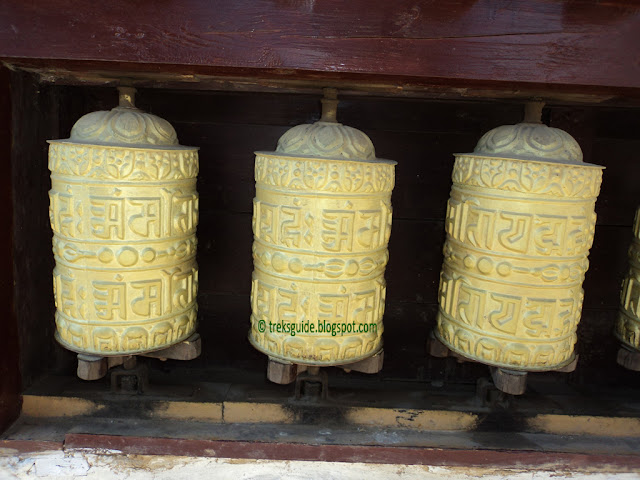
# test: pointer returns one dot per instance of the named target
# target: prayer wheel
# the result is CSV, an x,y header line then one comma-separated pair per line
x,y
124,211
520,222
627,328
321,224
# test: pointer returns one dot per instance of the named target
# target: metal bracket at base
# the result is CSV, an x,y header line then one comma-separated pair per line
x,y
132,380
314,383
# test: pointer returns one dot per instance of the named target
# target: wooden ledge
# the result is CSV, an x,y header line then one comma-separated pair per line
x,y
351,453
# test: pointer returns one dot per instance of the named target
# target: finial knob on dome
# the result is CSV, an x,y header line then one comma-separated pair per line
x,y
533,112
329,105
127,97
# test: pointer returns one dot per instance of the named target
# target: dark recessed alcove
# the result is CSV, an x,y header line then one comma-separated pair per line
x,y
421,134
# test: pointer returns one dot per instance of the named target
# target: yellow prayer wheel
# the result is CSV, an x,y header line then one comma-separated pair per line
x,y
124,211
627,328
520,222
321,224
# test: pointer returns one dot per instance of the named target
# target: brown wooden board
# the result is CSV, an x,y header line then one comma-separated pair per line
x,y
30,446
507,43
37,114
9,350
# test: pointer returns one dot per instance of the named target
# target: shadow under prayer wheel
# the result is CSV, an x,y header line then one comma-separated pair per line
x,y
520,222
124,211
321,224
627,328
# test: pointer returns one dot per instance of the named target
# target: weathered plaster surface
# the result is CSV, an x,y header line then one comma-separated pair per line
x,y
107,465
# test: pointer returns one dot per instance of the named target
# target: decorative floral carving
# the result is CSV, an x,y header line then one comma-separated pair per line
x,y
121,163
302,264
123,125
498,351
531,141
552,179
324,175
69,253
327,140
116,339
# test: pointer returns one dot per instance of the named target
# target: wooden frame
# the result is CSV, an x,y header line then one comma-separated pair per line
x,y
577,50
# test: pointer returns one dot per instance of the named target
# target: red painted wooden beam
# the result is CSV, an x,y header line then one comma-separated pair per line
x,y
548,42
349,453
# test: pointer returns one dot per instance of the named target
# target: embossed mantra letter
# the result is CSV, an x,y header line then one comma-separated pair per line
x,y
123,210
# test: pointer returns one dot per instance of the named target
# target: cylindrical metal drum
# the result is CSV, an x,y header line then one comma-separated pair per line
x,y
321,223
627,328
123,210
520,222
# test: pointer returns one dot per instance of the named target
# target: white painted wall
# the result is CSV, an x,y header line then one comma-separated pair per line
x,y
107,465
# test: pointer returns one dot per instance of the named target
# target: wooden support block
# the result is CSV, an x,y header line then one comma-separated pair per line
x,y
185,350
436,348
509,381
369,365
439,350
127,361
629,359
114,361
283,373
571,367
91,367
